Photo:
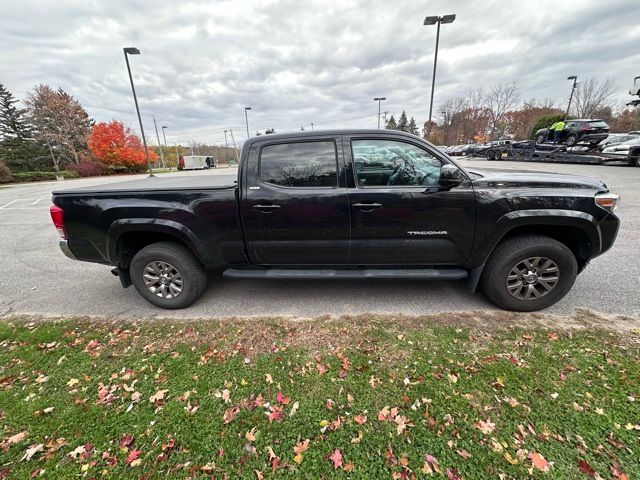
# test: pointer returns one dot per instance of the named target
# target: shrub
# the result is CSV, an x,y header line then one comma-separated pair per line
x,y
43,176
88,168
5,174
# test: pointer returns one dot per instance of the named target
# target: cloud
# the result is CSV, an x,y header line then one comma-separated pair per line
x,y
300,62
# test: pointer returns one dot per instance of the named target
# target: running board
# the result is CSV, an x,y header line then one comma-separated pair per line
x,y
353,274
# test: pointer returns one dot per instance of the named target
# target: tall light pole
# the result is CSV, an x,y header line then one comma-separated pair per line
x,y
135,51
312,126
246,119
155,125
165,141
379,100
437,20
573,88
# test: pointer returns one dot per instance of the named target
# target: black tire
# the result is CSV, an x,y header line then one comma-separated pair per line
x,y
509,253
540,138
571,140
192,274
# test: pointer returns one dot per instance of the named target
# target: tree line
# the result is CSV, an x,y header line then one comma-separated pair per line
x,y
497,113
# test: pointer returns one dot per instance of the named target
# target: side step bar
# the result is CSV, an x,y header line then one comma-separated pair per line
x,y
354,274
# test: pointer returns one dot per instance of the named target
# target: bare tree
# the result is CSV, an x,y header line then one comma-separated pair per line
x,y
592,95
60,121
501,98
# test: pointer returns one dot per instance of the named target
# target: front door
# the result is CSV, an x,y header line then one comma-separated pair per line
x,y
399,213
295,209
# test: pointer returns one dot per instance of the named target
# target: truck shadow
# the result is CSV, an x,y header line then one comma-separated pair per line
x,y
308,298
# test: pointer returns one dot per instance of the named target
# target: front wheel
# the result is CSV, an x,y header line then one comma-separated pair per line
x,y
168,275
529,272
572,140
540,138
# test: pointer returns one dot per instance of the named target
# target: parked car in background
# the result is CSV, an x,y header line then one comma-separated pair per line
x,y
617,139
629,149
196,162
590,131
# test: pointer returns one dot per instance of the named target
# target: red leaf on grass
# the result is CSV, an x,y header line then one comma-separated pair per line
x,y
586,469
133,455
336,458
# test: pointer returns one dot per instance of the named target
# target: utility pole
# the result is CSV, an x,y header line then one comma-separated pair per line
x,y
246,119
573,88
312,126
235,149
135,51
165,142
436,21
159,144
379,100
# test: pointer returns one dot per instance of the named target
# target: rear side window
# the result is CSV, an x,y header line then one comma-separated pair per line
x,y
597,124
299,164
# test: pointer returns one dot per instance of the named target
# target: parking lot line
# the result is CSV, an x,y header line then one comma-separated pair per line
x,y
36,201
7,204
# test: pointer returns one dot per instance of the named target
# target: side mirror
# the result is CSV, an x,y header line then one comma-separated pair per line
x,y
450,176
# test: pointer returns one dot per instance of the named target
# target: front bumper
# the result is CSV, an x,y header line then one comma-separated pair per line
x,y
64,246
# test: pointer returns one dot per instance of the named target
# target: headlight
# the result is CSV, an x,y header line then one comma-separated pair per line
x,y
608,201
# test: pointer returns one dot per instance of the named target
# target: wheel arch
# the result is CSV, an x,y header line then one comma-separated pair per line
x,y
127,236
578,231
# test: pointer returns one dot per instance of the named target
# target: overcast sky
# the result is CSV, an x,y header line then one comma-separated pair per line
x,y
297,62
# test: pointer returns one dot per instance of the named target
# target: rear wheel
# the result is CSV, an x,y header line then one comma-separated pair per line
x,y
540,138
168,275
528,273
571,140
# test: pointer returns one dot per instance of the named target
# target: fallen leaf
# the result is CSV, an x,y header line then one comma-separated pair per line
x,y
17,438
485,427
32,450
133,455
538,461
158,396
336,458
360,419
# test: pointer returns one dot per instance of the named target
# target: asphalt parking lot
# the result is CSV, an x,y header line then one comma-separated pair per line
x,y
38,279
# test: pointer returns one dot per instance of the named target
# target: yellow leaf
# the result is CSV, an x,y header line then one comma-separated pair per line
x,y
298,458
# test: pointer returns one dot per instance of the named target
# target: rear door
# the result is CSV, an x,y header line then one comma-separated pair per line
x,y
295,209
399,213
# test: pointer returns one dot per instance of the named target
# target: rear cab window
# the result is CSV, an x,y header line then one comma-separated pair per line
x,y
299,164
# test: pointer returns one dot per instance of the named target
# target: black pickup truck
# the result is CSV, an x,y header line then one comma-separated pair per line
x,y
349,204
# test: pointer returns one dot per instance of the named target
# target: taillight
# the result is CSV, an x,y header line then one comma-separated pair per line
x,y
58,219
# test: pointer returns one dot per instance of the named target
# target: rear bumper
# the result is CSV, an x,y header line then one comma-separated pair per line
x,y
593,137
64,246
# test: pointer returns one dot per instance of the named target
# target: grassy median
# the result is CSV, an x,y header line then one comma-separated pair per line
x,y
367,397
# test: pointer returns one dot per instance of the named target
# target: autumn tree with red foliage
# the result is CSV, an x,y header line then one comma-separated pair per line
x,y
117,146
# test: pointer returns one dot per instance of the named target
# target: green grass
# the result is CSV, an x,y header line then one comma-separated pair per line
x,y
564,397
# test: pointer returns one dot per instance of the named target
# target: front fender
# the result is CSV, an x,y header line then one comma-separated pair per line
x,y
542,217
178,230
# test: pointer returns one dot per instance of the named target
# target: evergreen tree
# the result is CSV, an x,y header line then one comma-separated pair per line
x,y
403,124
391,124
413,128
13,121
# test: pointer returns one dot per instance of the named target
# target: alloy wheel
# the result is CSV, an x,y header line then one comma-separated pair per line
x,y
163,279
532,278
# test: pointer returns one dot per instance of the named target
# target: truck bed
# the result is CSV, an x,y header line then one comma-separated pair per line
x,y
161,183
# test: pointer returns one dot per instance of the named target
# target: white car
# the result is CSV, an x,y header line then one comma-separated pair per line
x,y
629,149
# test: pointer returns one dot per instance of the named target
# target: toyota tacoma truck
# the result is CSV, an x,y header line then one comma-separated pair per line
x,y
348,204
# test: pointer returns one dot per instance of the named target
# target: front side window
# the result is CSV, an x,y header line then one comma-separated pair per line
x,y
393,163
299,164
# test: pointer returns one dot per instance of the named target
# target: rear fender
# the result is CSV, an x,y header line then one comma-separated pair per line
x,y
182,233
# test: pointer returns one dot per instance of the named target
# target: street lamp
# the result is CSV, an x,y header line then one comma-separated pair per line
x,y
135,51
379,99
573,88
246,119
436,20
165,142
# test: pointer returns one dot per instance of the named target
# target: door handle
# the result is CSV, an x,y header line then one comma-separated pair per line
x,y
266,208
367,207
